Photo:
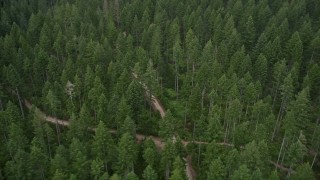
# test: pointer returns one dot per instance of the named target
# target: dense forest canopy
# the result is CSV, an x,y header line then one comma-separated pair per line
x,y
166,89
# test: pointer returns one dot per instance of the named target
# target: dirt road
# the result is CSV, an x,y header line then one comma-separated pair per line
x,y
139,137
191,174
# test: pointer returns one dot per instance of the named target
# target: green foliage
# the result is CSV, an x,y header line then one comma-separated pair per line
x,y
103,147
167,126
59,175
149,174
216,170
239,71
304,172
243,173
59,163
132,176
80,165
168,156
128,126
127,154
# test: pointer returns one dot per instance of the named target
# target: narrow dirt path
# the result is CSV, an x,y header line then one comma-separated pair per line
x,y
156,104
155,101
191,174
139,137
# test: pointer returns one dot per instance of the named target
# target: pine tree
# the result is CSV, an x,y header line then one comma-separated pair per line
x,y
59,163
251,157
128,126
260,69
94,94
167,126
97,169
127,154
134,95
79,164
278,76
216,170
17,167
132,176
178,169
123,112
102,109
243,173
14,80
304,172
287,90
58,175
301,108
214,126
192,52
149,174
58,45
249,35
294,49
274,176
103,147
38,159
167,158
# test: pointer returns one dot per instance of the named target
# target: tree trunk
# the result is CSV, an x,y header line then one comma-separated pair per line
x,y
234,130
199,152
226,132
314,159
284,151
20,104
193,69
277,122
289,172
202,97
312,55
225,114
187,65
185,116
315,129
239,118
42,174
49,147
105,7
95,115
245,117
193,132
1,106
58,131
275,98
6,140
280,151
315,156
211,104
177,86
117,9
167,172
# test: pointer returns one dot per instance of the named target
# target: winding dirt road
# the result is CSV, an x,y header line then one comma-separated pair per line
x,y
139,137
191,174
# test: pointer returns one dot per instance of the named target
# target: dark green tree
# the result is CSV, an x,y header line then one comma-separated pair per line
x,y
80,165
243,173
149,174
304,172
216,170
103,147
127,154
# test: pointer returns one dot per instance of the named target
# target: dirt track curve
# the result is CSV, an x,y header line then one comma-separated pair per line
x,y
191,174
